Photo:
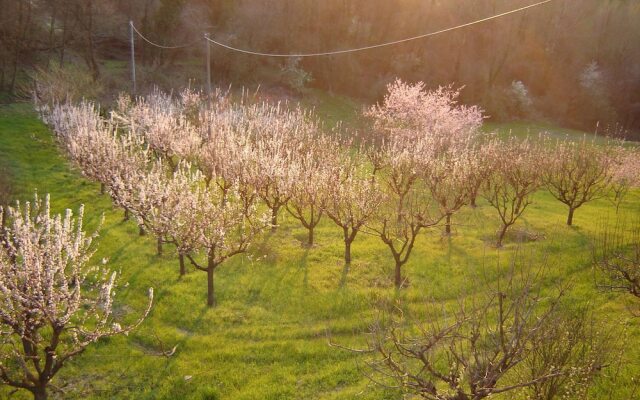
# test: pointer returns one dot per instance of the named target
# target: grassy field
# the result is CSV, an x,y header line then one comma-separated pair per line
x,y
267,337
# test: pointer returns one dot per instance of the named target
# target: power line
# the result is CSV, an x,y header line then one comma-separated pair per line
x,y
160,45
358,49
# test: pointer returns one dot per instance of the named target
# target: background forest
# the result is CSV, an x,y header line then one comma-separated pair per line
x,y
571,62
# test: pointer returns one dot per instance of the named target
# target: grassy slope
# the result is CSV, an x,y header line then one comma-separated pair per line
x,y
266,339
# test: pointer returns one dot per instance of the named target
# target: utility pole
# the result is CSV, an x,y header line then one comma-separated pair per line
x,y
208,55
133,58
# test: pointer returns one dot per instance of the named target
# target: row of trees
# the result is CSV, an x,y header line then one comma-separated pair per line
x,y
208,176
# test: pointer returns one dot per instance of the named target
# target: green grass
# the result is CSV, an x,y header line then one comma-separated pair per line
x,y
266,339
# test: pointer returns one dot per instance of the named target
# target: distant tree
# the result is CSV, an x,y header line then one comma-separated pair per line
x,y
515,176
577,173
53,302
412,111
626,175
280,135
447,176
163,123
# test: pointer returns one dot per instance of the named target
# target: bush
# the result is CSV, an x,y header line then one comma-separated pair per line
x,y
60,84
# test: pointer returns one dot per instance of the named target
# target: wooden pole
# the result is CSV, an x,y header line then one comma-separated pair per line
x,y
133,58
208,55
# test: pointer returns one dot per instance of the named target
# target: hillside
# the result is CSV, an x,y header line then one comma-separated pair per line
x,y
268,337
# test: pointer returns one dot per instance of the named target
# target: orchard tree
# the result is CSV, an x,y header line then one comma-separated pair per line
x,y
53,302
447,177
625,174
352,199
88,140
163,123
577,173
152,202
479,170
280,136
319,154
215,230
183,194
434,125
405,208
411,110
515,175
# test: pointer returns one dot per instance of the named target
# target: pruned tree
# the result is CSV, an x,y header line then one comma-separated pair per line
x,y
152,201
309,194
352,199
617,259
406,207
447,178
433,125
577,173
182,193
515,176
215,230
53,302
625,174
485,346
479,171
280,136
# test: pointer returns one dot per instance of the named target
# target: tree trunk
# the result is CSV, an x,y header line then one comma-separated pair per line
x,y
473,198
211,267
141,231
102,188
501,235
211,299
182,268
347,251
274,218
447,228
126,214
570,217
310,240
159,246
39,393
398,274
